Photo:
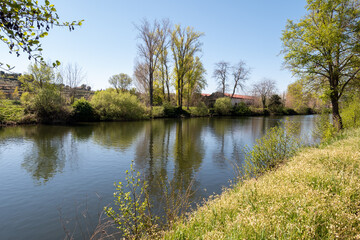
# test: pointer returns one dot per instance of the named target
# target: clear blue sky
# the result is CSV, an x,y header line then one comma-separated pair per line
x,y
106,43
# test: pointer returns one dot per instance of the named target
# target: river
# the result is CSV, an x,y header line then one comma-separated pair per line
x,y
49,175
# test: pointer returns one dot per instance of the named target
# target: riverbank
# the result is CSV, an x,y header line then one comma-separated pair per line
x,y
314,195
12,113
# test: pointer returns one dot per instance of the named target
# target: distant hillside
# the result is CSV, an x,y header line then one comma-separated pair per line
x,y
9,82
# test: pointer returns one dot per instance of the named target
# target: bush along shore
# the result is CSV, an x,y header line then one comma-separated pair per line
x,y
108,105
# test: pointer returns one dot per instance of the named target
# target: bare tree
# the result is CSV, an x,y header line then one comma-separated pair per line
x,y
240,73
141,76
264,89
73,75
120,81
164,65
151,41
221,73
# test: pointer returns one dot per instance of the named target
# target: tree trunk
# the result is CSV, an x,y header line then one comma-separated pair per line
x,y
337,121
163,83
178,92
263,100
167,83
151,90
232,95
168,92
188,100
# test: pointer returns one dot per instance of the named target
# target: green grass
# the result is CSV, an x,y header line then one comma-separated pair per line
x,y
314,195
11,111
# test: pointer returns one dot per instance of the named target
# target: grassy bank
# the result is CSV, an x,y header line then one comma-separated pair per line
x,y
314,195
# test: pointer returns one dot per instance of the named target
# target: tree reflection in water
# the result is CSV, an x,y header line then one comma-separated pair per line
x,y
47,156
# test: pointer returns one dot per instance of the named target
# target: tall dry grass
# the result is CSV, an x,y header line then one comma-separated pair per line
x,y
314,195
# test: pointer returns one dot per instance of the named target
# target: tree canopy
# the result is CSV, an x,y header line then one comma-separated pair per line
x,y
324,47
184,45
120,81
24,22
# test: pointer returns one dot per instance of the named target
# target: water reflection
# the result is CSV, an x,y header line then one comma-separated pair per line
x,y
47,155
168,142
188,148
166,147
117,135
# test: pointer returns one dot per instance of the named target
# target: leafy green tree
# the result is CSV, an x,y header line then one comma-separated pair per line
x,y
24,22
195,79
184,45
46,100
27,82
296,97
324,47
275,103
121,82
43,75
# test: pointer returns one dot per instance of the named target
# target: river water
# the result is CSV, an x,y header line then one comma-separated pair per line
x,y
51,175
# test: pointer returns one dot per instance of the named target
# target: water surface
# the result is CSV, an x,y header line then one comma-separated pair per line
x,y
48,172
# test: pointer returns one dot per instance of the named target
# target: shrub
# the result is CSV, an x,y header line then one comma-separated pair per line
x,y
223,106
83,111
351,114
289,111
11,111
241,109
278,144
111,105
48,105
169,110
25,98
173,111
200,110
158,111
323,129
132,214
